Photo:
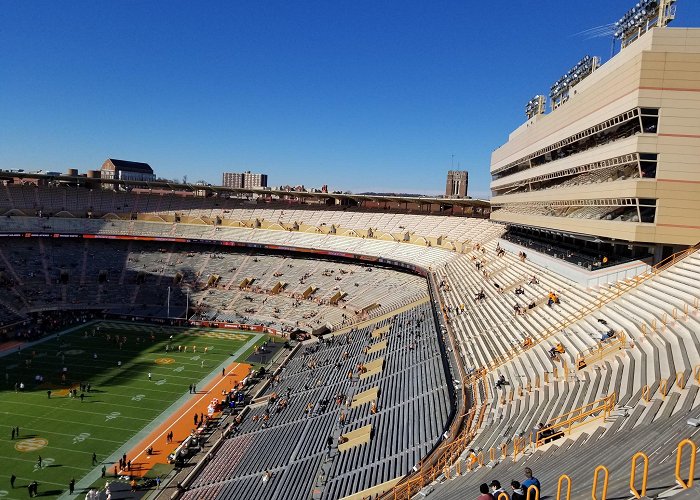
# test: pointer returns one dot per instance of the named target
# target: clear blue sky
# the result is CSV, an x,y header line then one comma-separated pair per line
x,y
357,94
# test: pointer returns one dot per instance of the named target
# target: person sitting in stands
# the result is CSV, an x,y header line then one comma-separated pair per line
x,y
527,342
519,290
530,480
552,299
501,381
605,336
534,280
472,458
544,434
517,309
485,494
518,491
555,351
497,491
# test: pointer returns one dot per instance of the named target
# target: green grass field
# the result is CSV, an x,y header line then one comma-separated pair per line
x,y
122,403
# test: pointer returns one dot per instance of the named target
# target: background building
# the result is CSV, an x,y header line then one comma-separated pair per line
x,y
457,182
127,170
244,180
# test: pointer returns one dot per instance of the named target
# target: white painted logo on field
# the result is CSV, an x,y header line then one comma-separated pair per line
x,y
81,437
46,462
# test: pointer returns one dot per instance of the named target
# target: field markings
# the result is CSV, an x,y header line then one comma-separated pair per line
x,y
44,431
25,346
82,411
175,407
64,421
43,481
33,461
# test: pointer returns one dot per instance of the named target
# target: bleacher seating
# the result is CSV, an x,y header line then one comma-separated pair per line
x,y
312,393
541,350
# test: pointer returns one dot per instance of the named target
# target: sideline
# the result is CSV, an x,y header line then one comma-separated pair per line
x,y
93,476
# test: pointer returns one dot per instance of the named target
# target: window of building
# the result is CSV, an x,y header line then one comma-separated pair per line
x,y
650,120
647,165
647,210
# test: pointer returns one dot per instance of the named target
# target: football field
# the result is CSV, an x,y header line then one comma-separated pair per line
x,y
101,389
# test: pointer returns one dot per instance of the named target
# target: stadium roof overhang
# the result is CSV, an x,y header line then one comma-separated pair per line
x,y
592,238
263,192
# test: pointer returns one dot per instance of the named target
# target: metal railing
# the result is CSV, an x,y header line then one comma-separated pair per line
x,y
619,289
601,481
601,349
558,426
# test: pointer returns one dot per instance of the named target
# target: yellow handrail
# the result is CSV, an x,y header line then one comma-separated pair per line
x,y
568,487
598,351
680,380
679,458
586,310
535,491
633,474
568,421
594,492
646,394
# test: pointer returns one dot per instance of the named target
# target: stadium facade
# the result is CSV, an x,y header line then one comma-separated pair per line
x,y
618,161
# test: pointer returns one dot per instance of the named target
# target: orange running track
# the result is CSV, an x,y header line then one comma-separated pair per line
x,y
180,423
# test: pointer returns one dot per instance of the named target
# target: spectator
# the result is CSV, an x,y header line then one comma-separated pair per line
x,y
497,491
530,480
501,381
555,351
518,492
484,490
473,459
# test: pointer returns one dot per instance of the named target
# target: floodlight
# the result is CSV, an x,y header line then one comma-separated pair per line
x,y
642,17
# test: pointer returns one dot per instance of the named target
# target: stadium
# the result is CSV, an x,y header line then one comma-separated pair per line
x,y
172,340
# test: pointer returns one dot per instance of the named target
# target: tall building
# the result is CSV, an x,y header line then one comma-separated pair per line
x,y
457,183
244,180
232,180
615,162
251,181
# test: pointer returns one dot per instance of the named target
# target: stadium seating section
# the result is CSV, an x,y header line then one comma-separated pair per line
x,y
370,402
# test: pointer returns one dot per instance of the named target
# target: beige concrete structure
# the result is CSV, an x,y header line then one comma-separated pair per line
x,y
620,159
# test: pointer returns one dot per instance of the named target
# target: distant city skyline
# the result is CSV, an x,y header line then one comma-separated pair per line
x,y
361,96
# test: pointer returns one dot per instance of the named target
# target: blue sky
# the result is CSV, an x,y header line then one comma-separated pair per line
x,y
360,95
